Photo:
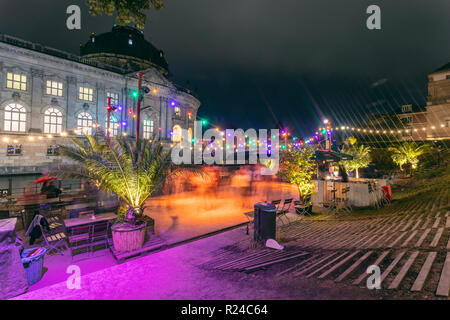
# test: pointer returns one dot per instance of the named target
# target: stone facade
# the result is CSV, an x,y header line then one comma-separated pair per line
x,y
44,85
433,121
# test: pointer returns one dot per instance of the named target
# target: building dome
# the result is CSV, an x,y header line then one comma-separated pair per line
x,y
124,47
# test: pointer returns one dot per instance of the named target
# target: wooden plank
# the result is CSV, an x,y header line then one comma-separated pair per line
x,y
303,271
424,271
377,262
269,263
418,222
395,283
323,275
437,237
326,265
296,266
397,240
405,243
425,224
353,266
391,266
444,282
422,238
436,222
447,224
407,225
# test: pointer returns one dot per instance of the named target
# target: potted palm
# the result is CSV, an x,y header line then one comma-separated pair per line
x,y
132,172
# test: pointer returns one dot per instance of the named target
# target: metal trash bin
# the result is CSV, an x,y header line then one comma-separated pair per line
x,y
264,222
33,265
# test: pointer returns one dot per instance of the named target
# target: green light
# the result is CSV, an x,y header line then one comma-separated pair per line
x,y
193,140
283,146
204,122
294,138
134,93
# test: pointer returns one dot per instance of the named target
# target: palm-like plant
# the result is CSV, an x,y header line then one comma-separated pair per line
x,y
297,167
407,153
133,172
361,158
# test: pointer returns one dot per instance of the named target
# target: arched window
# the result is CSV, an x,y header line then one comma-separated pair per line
x,y
84,123
176,133
113,126
52,121
148,128
15,117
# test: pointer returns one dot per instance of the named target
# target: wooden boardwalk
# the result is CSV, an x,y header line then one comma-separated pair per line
x,y
411,248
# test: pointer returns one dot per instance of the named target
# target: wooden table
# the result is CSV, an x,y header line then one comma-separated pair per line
x,y
75,222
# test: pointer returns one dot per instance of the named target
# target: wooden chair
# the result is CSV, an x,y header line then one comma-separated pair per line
x,y
79,238
282,213
301,208
53,239
99,235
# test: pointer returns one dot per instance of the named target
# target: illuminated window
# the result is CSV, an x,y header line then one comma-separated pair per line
x,y
86,94
15,118
176,133
52,121
14,150
113,126
54,88
84,123
17,81
177,111
114,98
148,129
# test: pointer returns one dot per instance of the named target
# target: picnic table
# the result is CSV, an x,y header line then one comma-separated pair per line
x,y
75,222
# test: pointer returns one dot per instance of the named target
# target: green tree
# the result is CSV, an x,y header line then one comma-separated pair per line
x,y
361,158
126,11
131,172
407,153
297,166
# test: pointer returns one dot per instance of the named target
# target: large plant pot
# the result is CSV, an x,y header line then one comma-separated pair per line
x,y
128,237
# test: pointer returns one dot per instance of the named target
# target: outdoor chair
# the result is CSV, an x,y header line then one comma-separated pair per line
x,y
79,238
277,204
53,240
99,235
301,208
282,213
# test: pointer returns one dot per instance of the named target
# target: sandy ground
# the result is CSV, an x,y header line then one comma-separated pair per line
x,y
174,274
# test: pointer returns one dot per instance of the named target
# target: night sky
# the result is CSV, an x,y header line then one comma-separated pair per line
x,y
257,63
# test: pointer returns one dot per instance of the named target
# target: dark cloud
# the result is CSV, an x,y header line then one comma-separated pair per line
x,y
257,62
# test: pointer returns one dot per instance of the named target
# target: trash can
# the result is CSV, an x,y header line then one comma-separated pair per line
x,y
33,264
264,221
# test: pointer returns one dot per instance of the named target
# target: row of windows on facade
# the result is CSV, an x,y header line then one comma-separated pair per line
x,y
18,81
15,119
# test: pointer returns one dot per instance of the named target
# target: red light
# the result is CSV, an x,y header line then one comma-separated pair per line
x,y
159,128
130,111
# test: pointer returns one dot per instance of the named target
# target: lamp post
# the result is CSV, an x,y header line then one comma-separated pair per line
x,y
138,107
108,107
